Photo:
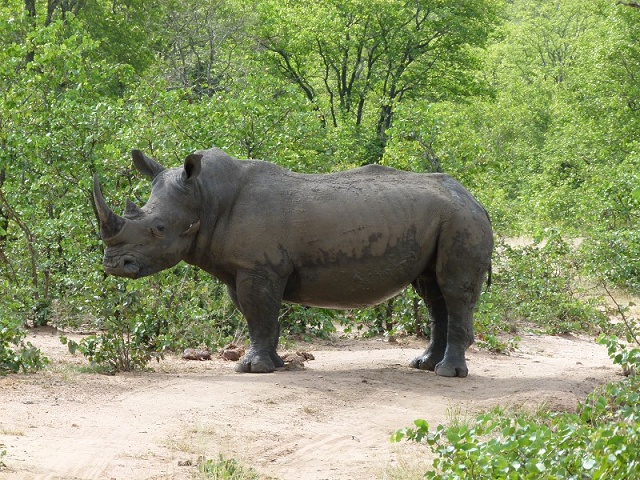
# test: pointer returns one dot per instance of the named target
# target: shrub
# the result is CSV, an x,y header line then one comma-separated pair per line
x,y
15,353
540,284
183,310
404,314
305,322
120,347
602,440
226,469
614,256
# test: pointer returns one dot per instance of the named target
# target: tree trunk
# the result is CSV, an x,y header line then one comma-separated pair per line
x,y
30,8
384,123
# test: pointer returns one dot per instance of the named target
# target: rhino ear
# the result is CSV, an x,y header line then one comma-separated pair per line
x,y
146,165
192,166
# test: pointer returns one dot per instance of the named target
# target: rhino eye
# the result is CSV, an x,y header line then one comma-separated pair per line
x,y
157,231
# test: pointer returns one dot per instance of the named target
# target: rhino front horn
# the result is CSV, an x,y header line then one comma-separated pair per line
x,y
110,223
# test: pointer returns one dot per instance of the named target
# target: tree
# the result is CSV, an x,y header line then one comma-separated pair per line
x,y
57,110
356,60
198,45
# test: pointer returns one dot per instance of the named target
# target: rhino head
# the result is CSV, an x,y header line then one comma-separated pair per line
x,y
158,235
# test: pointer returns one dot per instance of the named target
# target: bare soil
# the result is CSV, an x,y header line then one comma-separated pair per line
x,y
329,420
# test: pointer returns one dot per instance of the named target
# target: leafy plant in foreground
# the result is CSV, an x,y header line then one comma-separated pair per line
x,y
126,340
600,441
15,353
226,469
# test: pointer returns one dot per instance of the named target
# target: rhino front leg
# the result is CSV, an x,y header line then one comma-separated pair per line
x,y
259,296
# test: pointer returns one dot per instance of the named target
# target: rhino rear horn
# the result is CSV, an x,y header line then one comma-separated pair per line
x,y
132,210
110,223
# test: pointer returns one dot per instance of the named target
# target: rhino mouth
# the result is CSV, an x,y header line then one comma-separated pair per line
x,y
126,266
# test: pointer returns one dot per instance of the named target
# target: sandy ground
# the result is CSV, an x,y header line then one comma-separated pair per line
x,y
330,420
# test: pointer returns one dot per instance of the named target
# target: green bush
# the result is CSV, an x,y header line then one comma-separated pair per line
x,y
139,320
226,469
119,348
127,332
540,284
404,314
15,353
305,322
600,441
614,256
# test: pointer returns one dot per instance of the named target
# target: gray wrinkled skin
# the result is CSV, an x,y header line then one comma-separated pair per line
x,y
342,240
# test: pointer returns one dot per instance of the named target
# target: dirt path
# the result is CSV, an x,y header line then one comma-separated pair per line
x,y
331,420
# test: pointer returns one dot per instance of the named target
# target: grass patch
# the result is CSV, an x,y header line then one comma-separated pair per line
x,y
226,469
11,432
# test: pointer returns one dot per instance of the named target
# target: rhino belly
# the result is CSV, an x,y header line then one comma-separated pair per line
x,y
348,287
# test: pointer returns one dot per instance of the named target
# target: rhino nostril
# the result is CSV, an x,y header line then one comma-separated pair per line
x,y
129,266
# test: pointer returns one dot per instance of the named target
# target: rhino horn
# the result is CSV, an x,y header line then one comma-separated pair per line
x,y
110,223
132,209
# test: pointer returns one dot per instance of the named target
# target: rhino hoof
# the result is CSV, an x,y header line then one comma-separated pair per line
x,y
277,361
424,362
255,364
444,370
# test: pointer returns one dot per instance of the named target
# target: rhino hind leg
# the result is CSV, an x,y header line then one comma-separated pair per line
x,y
259,297
461,292
451,299
429,291
459,338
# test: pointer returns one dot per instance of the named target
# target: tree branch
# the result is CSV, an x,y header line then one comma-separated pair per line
x,y
630,4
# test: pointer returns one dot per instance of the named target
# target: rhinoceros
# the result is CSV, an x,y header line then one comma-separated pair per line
x,y
339,240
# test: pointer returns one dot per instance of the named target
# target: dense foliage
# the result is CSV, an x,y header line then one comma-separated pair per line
x,y
531,104
16,354
601,440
